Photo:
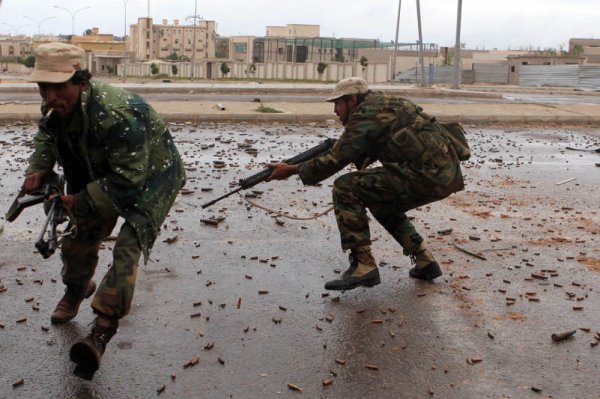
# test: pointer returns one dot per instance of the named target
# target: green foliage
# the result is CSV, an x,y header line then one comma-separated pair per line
x,y
340,57
28,61
173,56
252,68
577,50
225,69
88,32
154,69
364,62
111,69
321,66
174,69
268,110
222,48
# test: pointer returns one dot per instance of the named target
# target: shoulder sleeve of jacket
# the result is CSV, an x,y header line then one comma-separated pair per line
x,y
43,157
360,135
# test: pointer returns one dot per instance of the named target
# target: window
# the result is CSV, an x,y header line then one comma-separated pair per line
x,y
241,47
512,68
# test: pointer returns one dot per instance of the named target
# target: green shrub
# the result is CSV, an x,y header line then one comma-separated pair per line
x,y
268,110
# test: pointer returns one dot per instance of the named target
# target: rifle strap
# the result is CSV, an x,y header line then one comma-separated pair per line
x,y
285,215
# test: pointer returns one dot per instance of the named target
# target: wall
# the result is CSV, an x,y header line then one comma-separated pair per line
x,y
374,73
12,67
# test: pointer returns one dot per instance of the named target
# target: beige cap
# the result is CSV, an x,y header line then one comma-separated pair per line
x,y
57,62
348,86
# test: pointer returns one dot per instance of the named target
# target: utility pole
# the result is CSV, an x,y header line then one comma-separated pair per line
x,y
421,61
195,16
124,19
396,42
457,46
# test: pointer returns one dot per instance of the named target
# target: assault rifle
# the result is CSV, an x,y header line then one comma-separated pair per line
x,y
261,176
49,194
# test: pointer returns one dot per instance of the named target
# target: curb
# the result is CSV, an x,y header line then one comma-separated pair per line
x,y
224,89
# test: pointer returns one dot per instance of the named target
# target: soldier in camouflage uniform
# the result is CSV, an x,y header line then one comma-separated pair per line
x,y
419,166
119,160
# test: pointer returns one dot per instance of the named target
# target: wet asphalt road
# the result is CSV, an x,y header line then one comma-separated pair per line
x,y
247,298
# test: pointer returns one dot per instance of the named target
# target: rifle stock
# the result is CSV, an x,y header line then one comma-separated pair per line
x,y
261,176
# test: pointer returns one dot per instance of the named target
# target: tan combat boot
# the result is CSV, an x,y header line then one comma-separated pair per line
x,y
426,268
86,353
68,306
362,271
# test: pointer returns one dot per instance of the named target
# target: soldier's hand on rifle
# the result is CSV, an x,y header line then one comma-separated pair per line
x,y
34,181
281,171
68,202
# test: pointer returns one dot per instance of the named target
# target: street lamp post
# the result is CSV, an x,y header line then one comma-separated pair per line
x,y
72,13
39,23
16,29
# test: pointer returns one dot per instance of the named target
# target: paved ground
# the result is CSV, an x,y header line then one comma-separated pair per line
x,y
246,296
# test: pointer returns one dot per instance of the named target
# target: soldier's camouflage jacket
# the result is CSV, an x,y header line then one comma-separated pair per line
x,y
411,146
131,162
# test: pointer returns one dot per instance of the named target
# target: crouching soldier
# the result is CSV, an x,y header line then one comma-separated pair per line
x,y
419,166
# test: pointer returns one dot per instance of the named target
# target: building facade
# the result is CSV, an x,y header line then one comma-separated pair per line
x,y
241,48
16,46
589,48
294,30
516,62
188,42
103,52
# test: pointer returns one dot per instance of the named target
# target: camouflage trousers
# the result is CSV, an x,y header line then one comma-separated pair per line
x,y
386,197
80,258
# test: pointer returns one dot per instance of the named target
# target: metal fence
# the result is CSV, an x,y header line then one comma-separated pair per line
x,y
583,77
589,78
491,73
548,75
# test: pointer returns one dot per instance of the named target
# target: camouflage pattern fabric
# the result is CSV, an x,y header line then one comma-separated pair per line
x,y
115,292
131,163
373,189
418,167
79,254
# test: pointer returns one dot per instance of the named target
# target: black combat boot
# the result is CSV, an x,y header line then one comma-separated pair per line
x,y
426,268
68,306
87,352
362,272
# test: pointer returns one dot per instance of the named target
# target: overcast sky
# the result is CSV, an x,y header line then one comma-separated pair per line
x,y
502,24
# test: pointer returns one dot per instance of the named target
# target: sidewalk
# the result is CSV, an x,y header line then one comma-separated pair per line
x,y
484,113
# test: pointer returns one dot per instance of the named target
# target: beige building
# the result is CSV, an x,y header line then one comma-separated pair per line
x,y
589,48
241,48
515,63
294,30
16,46
103,52
149,41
